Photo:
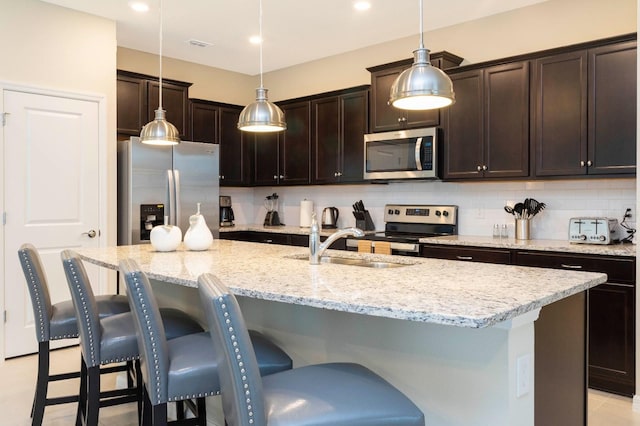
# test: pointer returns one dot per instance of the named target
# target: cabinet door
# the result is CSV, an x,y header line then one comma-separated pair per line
x,y
612,339
326,139
295,152
132,108
233,158
506,113
463,128
175,99
385,117
203,122
560,110
265,161
612,109
355,123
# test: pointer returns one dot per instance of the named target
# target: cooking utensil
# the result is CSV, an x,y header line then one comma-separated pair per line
x,y
509,209
518,208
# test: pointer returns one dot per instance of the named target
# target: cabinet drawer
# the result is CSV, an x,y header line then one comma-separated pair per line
x,y
618,269
467,254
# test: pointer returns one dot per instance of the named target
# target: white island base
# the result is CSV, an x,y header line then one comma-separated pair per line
x,y
456,375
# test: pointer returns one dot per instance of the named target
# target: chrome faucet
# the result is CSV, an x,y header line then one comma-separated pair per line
x,y
316,249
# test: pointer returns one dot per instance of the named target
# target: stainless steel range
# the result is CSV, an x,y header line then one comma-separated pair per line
x,y
405,224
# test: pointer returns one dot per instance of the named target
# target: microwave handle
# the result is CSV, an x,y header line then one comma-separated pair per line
x,y
417,154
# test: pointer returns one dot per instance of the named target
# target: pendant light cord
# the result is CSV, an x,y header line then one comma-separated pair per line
x,y
261,43
160,78
421,27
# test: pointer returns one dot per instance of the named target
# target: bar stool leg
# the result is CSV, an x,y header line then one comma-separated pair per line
x,y
202,412
42,384
93,396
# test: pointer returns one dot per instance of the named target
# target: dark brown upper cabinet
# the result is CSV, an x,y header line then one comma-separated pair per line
x,y
585,111
383,116
486,131
339,125
284,158
214,122
138,97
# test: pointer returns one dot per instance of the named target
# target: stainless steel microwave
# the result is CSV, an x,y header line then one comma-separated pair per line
x,y
402,154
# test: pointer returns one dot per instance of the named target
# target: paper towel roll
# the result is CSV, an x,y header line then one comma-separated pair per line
x,y
306,208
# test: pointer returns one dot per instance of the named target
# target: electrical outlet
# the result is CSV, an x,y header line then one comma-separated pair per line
x,y
523,375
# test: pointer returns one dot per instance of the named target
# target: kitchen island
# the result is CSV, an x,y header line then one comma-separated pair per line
x,y
457,338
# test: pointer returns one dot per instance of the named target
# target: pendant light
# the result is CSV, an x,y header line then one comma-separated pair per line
x,y
261,115
160,131
422,86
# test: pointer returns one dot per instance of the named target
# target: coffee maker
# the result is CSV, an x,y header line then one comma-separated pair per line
x,y
226,212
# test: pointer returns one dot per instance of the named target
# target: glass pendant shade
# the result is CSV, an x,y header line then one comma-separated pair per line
x,y
159,131
422,86
262,115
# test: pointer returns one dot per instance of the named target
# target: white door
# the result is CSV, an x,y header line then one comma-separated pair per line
x,y
51,197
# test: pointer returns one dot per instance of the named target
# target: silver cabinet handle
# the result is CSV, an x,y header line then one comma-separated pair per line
x,y
589,163
479,168
335,174
582,164
402,119
339,174
275,176
91,233
484,167
564,265
281,176
464,257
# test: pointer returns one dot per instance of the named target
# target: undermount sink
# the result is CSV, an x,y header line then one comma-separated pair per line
x,y
356,262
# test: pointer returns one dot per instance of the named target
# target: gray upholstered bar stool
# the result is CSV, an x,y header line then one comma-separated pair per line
x,y
325,394
185,368
55,322
109,340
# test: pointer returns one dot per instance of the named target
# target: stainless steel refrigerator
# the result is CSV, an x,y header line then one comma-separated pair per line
x,y
158,181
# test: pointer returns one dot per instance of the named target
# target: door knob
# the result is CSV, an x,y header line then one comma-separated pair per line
x,y
91,233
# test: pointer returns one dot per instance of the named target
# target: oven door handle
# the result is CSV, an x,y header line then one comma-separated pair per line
x,y
418,151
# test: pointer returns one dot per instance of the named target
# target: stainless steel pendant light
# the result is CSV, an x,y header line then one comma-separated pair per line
x,y
261,115
160,131
422,86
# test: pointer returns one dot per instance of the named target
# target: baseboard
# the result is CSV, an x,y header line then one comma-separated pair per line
x,y
636,404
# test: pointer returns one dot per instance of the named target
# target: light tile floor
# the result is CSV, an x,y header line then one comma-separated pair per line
x,y
18,376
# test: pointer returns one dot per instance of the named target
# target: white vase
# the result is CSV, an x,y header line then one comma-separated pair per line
x,y
165,237
198,236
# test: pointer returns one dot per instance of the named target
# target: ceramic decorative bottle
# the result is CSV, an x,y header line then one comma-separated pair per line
x,y
198,236
165,237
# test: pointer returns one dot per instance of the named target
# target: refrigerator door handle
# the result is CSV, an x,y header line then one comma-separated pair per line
x,y
171,190
176,206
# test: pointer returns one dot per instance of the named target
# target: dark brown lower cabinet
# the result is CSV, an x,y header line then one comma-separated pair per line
x,y
610,316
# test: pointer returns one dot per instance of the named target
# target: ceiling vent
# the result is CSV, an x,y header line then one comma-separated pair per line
x,y
199,43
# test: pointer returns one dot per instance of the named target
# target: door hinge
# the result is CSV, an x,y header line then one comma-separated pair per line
x,y
4,218
5,316
4,118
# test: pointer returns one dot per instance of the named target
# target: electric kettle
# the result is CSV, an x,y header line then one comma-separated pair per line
x,y
330,218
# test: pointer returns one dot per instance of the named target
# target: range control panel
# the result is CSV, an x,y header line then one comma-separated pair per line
x,y
412,213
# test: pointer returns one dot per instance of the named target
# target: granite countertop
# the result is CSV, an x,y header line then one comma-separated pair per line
x,y
299,230
625,249
462,294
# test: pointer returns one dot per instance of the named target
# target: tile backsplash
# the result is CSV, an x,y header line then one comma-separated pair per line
x,y
481,204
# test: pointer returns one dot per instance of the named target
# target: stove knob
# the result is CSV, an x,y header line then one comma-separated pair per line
x,y
390,211
396,211
438,213
445,213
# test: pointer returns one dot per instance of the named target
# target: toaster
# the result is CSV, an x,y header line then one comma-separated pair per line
x,y
593,230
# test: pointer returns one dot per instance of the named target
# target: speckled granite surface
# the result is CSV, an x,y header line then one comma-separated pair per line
x,y
463,294
540,245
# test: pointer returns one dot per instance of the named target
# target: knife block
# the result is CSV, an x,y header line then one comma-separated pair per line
x,y
363,221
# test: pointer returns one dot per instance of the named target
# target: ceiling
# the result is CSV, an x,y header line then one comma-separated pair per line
x,y
295,31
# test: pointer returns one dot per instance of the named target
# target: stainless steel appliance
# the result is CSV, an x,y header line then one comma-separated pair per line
x,y
158,181
402,154
593,230
226,212
405,224
330,218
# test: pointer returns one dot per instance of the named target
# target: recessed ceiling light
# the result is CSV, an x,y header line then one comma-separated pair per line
x,y
255,39
139,6
362,5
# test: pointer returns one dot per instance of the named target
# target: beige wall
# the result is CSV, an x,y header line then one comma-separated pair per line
x,y
55,48
545,25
